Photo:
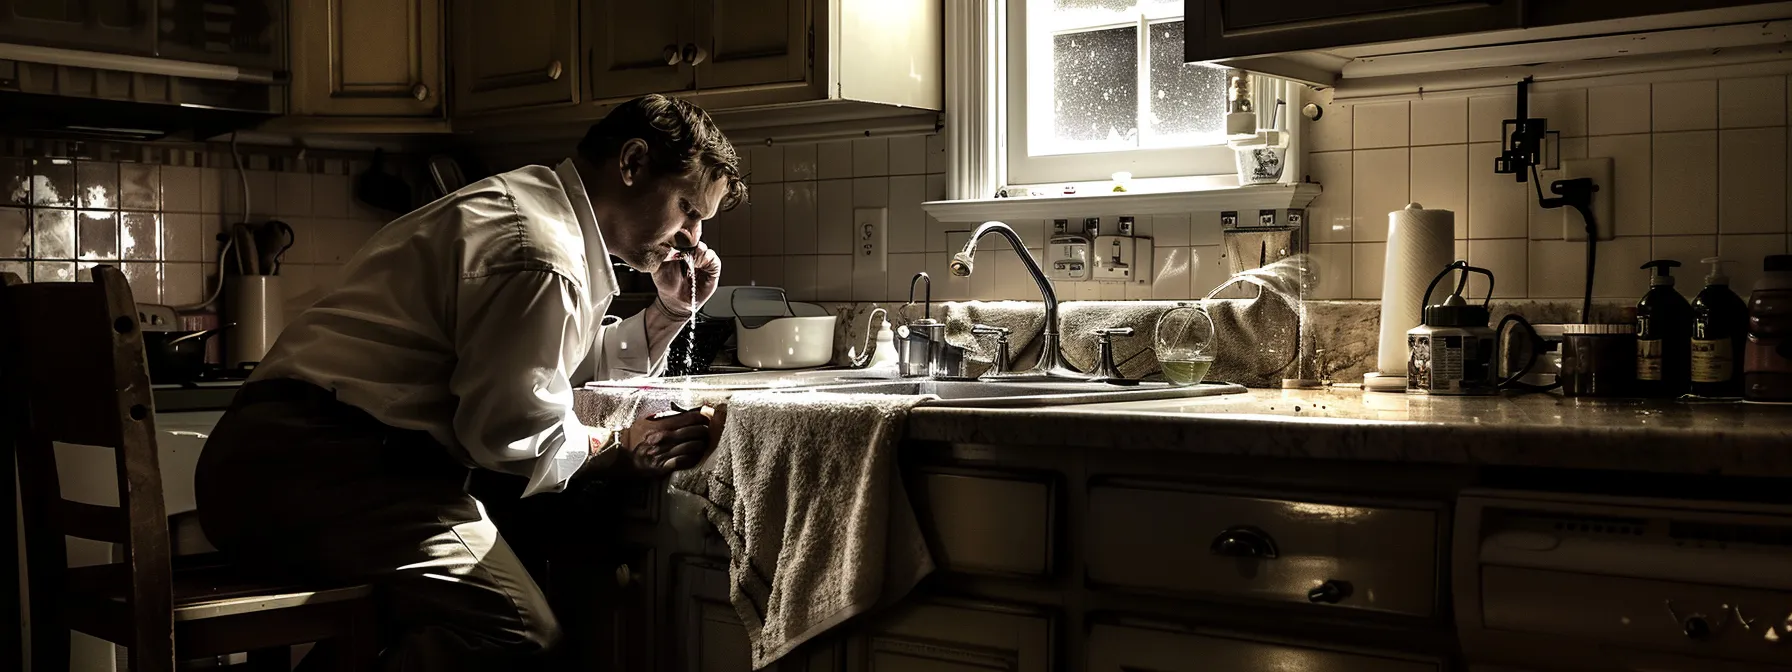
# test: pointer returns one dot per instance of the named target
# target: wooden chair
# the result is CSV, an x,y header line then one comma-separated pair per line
x,y
75,371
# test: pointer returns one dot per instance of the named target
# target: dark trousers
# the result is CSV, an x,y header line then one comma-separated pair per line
x,y
296,481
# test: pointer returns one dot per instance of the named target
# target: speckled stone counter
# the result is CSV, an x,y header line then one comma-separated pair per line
x,y
1537,430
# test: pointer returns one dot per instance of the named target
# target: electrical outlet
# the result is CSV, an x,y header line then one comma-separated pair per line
x,y
1067,259
1600,170
870,241
1113,258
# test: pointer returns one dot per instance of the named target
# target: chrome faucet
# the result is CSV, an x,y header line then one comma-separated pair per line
x,y
1051,355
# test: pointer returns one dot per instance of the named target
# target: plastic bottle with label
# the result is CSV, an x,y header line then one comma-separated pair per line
x,y
1663,336
1719,335
1767,363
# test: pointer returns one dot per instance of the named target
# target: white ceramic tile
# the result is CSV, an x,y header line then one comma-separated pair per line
x,y
768,226
1632,165
140,188
800,278
768,271
1171,273
1366,264
295,194
1210,266
834,159
870,282
1330,266
936,233
870,157
182,237
1687,250
1379,182
211,188
1381,125
1012,282
182,283
833,277
1751,102
1684,106
871,192
1329,215
936,153
1333,129
1613,110
744,156
1109,291
1440,121
1139,289
1170,230
1558,269
1747,252
330,195
1496,203
139,236
936,187
800,162
1546,223
1506,259
833,216
736,271
180,189
1487,116
903,268
800,234
145,279
1440,181
908,155
1204,229
1566,111
1751,180
1684,175
768,164
730,232
908,232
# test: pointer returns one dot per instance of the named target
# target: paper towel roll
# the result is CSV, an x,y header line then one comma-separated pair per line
x,y
1420,244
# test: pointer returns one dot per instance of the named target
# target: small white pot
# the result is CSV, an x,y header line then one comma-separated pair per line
x,y
786,343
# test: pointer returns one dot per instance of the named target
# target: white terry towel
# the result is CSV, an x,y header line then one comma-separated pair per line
x,y
806,491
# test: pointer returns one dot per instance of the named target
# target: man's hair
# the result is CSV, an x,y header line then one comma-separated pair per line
x,y
681,140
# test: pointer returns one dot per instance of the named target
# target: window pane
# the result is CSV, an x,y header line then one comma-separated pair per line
x,y
1095,91
1188,101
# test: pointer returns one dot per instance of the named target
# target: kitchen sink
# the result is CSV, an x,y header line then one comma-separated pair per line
x,y
1003,394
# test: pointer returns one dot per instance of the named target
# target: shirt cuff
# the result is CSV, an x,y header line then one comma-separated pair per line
x,y
553,470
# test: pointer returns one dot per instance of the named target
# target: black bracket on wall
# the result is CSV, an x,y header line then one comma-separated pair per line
x,y
1523,137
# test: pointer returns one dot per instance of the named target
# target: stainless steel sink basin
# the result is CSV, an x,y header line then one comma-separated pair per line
x,y
982,394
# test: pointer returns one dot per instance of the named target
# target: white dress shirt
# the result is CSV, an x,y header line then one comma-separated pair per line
x,y
472,319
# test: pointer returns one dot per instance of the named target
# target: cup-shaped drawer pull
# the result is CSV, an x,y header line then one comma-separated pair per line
x,y
1244,541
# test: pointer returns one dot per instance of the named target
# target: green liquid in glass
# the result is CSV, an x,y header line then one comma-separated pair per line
x,y
1187,371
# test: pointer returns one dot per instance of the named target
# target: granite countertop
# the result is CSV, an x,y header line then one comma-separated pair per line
x,y
1534,430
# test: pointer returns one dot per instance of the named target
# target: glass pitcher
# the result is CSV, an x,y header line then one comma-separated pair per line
x,y
1184,344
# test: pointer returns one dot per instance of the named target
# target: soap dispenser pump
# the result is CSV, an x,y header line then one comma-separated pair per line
x,y
1663,335
1719,336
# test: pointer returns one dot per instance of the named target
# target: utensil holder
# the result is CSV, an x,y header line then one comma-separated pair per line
x,y
256,305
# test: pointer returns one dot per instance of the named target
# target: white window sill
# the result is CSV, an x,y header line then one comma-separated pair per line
x,y
1232,198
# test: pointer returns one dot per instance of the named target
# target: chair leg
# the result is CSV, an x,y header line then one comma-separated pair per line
x,y
272,659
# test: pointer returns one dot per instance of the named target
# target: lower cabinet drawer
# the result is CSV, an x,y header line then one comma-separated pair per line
x,y
1179,542
1114,648
986,522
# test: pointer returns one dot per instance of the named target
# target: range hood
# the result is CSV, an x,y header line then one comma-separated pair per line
x,y
94,95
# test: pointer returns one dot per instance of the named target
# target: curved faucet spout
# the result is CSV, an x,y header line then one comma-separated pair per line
x,y
1051,357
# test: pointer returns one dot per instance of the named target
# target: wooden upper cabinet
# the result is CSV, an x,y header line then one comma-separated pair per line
x,y
636,48
514,54
1234,28
752,42
379,58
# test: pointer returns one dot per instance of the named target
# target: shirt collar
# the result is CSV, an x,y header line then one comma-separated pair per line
x,y
597,254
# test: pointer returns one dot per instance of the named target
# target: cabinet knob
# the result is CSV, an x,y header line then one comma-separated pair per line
x,y
554,69
420,92
695,54
672,55
1243,541
1330,592
625,577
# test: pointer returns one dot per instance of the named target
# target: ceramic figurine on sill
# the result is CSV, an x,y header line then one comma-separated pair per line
x,y
454,343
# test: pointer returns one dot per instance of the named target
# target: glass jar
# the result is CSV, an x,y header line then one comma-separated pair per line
x,y
1184,344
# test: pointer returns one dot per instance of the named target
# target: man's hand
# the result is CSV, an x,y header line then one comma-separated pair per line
x,y
656,446
675,286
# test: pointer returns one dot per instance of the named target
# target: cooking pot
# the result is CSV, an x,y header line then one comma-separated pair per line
x,y
176,356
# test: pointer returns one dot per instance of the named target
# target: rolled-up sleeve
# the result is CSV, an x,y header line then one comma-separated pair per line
x,y
517,337
624,351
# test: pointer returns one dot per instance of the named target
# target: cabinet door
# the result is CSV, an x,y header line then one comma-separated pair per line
x,y
752,42
514,54
1234,28
1120,649
957,637
635,48
121,26
367,57
710,637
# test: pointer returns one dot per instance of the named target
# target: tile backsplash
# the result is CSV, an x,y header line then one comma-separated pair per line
x,y
1699,170
797,231
154,210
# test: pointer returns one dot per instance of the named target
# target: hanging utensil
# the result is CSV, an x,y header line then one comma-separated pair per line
x,y
248,261
272,240
447,174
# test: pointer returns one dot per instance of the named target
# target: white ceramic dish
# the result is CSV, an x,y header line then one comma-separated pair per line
x,y
786,342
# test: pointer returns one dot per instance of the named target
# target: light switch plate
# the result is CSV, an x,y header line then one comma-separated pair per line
x,y
1573,227
870,239
1113,258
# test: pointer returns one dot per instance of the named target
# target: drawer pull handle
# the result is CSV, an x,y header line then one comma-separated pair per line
x,y
1243,541
1332,591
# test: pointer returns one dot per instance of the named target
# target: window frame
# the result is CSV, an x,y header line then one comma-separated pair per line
x,y
1021,169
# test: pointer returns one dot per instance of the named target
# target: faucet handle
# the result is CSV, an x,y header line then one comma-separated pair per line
x,y
1110,332
1106,370
985,330
999,367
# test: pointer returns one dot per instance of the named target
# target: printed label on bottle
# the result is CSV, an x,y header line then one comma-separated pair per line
x,y
1648,359
1711,360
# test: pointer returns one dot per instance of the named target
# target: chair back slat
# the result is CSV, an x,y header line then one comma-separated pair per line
x,y
75,365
